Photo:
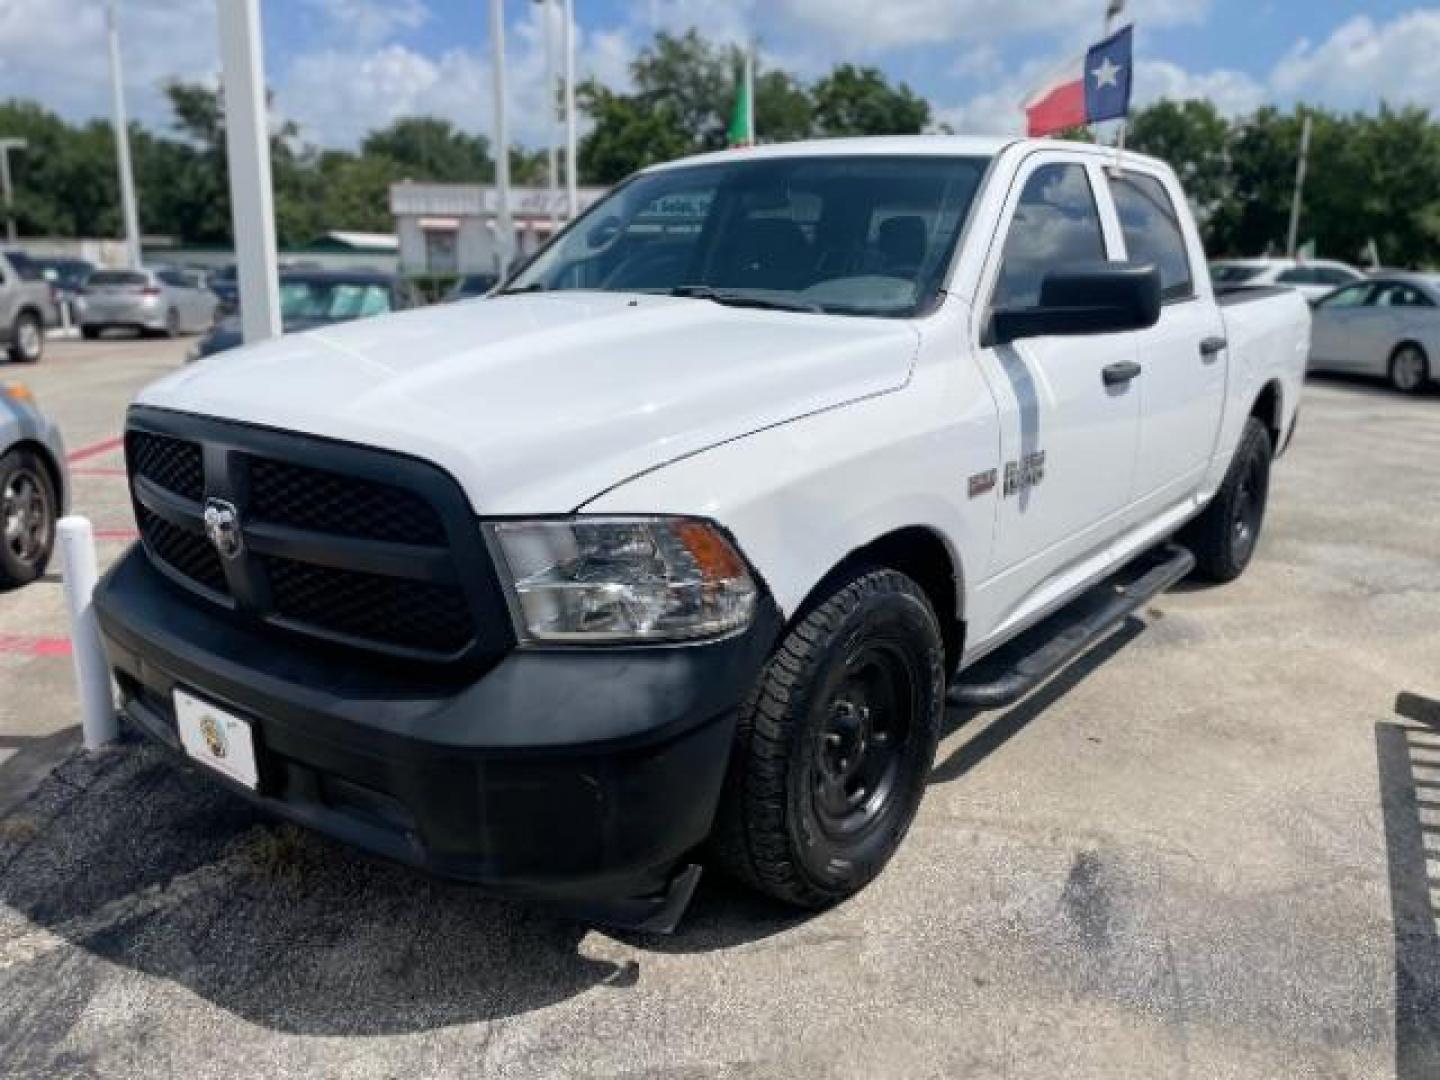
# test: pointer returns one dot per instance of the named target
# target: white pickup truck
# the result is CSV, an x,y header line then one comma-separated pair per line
x,y
673,550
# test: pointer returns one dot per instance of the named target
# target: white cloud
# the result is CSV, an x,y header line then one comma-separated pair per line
x,y
55,52
1232,92
370,22
866,26
1363,62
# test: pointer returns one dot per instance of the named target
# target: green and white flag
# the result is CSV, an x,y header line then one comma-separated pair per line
x,y
742,117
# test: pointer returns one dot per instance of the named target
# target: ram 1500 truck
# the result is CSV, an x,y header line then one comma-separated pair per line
x,y
672,551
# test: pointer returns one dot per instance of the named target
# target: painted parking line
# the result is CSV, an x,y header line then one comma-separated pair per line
x,y
34,645
104,446
96,470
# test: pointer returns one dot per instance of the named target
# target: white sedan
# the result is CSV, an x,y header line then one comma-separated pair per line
x,y
1388,327
1311,278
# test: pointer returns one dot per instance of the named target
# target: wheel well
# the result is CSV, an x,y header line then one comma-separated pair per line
x,y
30,309
57,478
1268,410
921,555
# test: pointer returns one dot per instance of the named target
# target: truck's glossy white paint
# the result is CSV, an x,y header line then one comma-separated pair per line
x,y
809,436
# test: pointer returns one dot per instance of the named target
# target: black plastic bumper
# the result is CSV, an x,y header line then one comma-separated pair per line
x,y
582,776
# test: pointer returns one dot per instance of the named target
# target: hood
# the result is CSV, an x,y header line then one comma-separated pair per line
x,y
538,403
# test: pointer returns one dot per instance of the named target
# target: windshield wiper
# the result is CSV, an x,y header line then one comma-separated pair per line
x,y
534,286
740,299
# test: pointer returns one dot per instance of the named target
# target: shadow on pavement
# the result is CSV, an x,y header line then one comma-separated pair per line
x,y
132,858
1010,723
1408,756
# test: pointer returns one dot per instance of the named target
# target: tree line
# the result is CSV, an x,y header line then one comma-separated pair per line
x,y
1373,177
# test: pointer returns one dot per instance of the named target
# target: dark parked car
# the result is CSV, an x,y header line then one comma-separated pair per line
x,y
470,286
226,285
312,298
67,277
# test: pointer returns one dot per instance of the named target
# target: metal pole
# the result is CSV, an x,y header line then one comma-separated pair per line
x,y
504,225
750,95
1300,167
92,673
572,181
122,141
552,120
247,140
6,145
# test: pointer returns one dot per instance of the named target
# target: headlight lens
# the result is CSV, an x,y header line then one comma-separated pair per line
x,y
624,579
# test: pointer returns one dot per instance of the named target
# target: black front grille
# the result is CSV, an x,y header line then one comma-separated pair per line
x,y
353,546
331,502
373,607
185,552
175,464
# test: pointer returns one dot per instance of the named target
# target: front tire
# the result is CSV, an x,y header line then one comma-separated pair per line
x,y
27,338
27,518
1409,369
1223,538
835,744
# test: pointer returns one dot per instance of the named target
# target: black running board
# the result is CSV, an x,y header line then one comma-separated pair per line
x,y
1017,667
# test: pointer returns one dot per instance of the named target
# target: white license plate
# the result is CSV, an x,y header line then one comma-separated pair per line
x,y
216,738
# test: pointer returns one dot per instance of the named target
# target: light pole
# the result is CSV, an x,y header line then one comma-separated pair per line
x,y
547,12
247,142
122,141
6,145
572,193
504,225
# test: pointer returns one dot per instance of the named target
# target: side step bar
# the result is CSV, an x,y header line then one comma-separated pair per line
x,y
1017,667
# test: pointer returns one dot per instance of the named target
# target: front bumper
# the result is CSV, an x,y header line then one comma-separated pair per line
x,y
582,776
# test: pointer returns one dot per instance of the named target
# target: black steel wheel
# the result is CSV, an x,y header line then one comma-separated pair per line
x,y
27,518
835,743
1223,538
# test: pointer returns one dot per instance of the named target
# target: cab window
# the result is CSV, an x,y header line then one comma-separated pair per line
x,y
1056,224
1151,225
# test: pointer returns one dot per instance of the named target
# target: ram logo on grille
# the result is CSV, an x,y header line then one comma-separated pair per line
x,y
222,526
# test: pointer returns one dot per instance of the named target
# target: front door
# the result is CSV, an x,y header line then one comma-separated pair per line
x,y
1067,437
1333,338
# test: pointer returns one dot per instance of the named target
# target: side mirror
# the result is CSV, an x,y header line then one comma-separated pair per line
x,y
1087,298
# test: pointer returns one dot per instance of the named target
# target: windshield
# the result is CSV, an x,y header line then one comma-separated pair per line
x,y
1234,273
852,235
331,301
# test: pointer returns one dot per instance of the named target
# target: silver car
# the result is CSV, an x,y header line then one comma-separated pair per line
x,y
34,486
1388,327
166,301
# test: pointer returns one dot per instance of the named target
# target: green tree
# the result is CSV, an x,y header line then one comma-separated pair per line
x,y
861,101
427,148
1193,137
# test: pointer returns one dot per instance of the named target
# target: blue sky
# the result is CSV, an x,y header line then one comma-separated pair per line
x,y
341,67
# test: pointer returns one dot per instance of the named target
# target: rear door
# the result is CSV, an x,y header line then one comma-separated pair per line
x,y
1332,337
1397,313
1067,439
1183,357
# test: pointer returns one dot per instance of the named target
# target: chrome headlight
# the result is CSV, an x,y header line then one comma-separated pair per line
x,y
623,579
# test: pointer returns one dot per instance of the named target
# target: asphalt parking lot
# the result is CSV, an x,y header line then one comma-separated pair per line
x,y
1209,849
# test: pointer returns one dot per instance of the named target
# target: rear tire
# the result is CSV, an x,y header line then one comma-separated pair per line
x,y
1409,368
835,744
27,518
1224,537
27,338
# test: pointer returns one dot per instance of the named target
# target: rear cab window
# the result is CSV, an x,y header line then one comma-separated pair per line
x,y
1151,226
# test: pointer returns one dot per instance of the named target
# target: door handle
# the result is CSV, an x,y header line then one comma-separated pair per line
x,y
1211,347
1119,374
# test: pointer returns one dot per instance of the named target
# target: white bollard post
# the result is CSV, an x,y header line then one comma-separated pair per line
x,y
92,674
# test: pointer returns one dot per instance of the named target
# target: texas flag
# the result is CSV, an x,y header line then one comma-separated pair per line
x,y
1097,90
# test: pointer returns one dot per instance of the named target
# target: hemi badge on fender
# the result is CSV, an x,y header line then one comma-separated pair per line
x,y
982,482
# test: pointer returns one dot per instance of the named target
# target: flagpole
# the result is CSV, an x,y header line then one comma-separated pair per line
x,y
504,225
1113,10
